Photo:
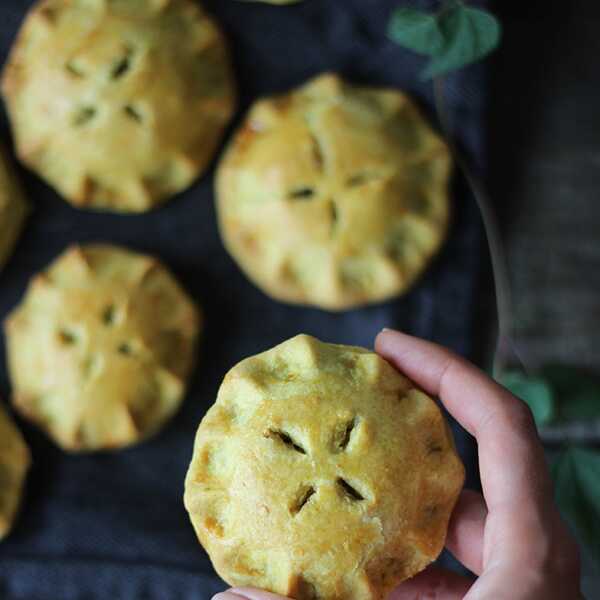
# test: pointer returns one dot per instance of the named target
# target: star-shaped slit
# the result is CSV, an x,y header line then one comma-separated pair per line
x,y
341,438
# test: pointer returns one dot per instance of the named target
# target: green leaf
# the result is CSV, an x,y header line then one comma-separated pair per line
x,y
577,392
535,391
469,35
417,30
576,476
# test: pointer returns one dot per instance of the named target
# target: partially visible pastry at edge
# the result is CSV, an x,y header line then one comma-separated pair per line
x,y
118,105
334,195
13,208
322,473
101,347
15,460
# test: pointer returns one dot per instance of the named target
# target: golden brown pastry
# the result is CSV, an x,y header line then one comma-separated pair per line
x,y
321,472
118,105
15,460
333,195
13,209
100,348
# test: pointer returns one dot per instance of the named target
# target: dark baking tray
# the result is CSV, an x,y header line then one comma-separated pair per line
x,y
113,526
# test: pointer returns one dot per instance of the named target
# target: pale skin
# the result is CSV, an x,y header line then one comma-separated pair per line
x,y
511,537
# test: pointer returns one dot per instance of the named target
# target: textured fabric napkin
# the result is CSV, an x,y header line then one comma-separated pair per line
x,y
113,526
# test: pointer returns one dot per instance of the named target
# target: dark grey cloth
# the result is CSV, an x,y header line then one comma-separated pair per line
x,y
113,526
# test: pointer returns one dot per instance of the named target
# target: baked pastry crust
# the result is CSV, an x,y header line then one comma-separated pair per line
x,y
15,461
333,195
13,209
321,472
100,348
118,105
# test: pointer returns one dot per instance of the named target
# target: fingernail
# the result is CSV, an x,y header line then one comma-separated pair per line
x,y
228,595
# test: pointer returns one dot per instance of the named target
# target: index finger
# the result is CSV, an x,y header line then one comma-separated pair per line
x,y
511,459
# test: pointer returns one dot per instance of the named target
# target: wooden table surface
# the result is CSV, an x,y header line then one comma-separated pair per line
x,y
545,182
545,178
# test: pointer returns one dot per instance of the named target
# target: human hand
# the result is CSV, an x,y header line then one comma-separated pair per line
x,y
511,537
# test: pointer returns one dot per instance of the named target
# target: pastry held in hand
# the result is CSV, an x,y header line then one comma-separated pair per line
x,y
118,105
15,461
321,472
100,348
13,209
334,195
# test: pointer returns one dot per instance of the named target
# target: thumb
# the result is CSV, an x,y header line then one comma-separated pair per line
x,y
244,593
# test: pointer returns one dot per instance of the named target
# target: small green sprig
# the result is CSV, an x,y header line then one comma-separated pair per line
x,y
455,36
560,395
576,474
557,394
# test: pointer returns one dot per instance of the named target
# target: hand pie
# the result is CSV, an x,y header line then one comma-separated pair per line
x,y
15,460
118,104
13,209
321,472
100,348
333,195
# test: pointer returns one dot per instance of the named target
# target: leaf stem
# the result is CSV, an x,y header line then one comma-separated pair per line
x,y
446,6
505,350
578,432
